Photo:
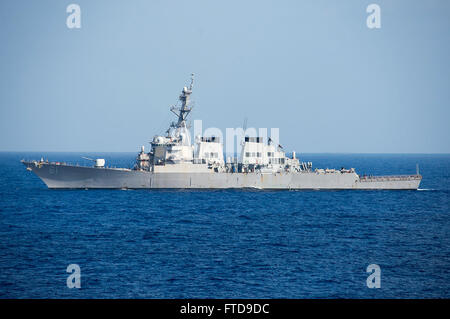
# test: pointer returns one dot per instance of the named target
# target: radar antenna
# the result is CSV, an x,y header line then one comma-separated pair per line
x,y
192,82
183,111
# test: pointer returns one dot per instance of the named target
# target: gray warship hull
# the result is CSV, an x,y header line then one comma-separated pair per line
x,y
63,176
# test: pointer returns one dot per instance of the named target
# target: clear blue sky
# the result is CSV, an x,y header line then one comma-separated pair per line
x,y
311,68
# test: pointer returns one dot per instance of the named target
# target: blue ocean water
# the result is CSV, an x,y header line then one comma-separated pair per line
x,y
227,243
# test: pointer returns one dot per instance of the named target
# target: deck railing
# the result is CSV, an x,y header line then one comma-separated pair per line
x,y
389,178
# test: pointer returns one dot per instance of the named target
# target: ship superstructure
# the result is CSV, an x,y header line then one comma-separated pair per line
x,y
174,162
176,148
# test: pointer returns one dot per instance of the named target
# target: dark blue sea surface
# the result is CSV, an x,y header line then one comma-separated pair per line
x,y
227,243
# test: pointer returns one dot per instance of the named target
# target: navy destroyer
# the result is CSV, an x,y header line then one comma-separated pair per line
x,y
174,162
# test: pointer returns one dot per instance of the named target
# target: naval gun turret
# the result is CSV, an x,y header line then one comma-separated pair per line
x,y
98,162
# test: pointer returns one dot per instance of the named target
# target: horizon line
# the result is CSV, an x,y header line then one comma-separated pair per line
x,y
325,152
